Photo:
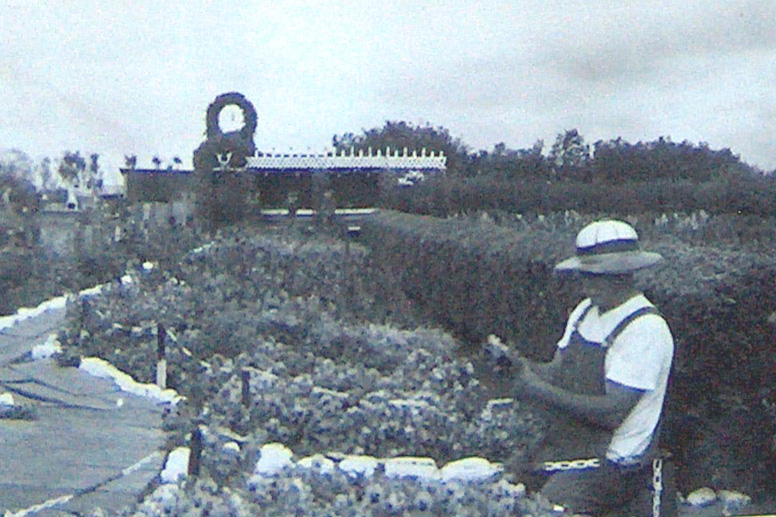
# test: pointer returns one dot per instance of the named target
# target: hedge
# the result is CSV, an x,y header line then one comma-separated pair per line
x,y
736,194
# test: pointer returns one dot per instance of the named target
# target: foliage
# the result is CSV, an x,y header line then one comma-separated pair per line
x,y
307,325
17,195
569,156
400,135
31,273
617,160
72,166
16,163
284,309
228,99
618,178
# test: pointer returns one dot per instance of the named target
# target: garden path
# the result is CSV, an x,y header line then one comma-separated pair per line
x,y
86,432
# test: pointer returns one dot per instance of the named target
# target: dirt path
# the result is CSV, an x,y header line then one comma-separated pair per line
x,y
85,434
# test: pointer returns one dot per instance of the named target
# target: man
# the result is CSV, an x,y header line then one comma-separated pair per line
x,y
609,373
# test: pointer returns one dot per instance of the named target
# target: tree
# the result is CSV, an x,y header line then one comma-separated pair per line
x,y
94,171
18,193
618,161
17,163
569,155
72,167
130,161
45,175
157,162
94,166
344,142
401,135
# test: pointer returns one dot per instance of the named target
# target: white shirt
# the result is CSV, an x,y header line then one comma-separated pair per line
x,y
640,358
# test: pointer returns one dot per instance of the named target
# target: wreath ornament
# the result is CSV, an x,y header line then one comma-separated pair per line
x,y
219,160
231,99
236,146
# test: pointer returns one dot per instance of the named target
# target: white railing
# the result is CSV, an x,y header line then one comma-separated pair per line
x,y
351,160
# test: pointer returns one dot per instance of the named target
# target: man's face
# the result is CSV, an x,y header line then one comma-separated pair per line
x,y
601,289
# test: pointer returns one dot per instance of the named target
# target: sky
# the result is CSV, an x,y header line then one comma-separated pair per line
x,y
135,77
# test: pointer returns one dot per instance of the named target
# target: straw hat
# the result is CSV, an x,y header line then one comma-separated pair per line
x,y
608,248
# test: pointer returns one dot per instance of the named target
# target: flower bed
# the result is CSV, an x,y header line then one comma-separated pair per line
x,y
303,342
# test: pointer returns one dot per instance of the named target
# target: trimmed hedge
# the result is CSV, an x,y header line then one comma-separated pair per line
x,y
475,278
737,194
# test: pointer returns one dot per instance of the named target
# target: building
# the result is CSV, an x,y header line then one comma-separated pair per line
x,y
355,179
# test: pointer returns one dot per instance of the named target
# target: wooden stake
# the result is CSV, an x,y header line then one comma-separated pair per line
x,y
195,456
161,359
246,388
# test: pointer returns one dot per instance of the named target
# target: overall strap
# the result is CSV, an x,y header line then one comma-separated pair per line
x,y
582,316
627,321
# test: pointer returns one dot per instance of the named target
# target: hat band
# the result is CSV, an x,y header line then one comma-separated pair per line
x,y
614,246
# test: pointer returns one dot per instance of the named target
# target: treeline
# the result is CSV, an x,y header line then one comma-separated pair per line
x,y
611,176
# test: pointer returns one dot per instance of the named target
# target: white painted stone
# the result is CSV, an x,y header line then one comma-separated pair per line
x,y
317,463
732,499
103,369
357,465
6,399
47,349
702,497
470,469
410,466
273,458
231,448
177,465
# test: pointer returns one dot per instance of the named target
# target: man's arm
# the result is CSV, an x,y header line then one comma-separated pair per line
x,y
607,411
548,371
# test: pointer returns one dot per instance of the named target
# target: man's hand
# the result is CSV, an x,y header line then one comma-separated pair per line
x,y
500,356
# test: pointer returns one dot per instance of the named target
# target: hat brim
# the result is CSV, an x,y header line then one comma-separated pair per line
x,y
610,263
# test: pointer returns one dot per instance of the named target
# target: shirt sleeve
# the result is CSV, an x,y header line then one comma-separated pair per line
x,y
573,317
640,353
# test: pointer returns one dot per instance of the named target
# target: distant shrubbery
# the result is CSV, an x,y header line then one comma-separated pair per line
x,y
616,177
740,193
30,273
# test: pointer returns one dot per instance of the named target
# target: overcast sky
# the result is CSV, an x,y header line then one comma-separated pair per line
x,y
135,77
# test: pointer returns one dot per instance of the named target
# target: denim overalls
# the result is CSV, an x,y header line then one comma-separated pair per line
x,y
583,373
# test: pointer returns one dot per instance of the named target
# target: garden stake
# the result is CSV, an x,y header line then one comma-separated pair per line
x,y
246,388
195,455
161,360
